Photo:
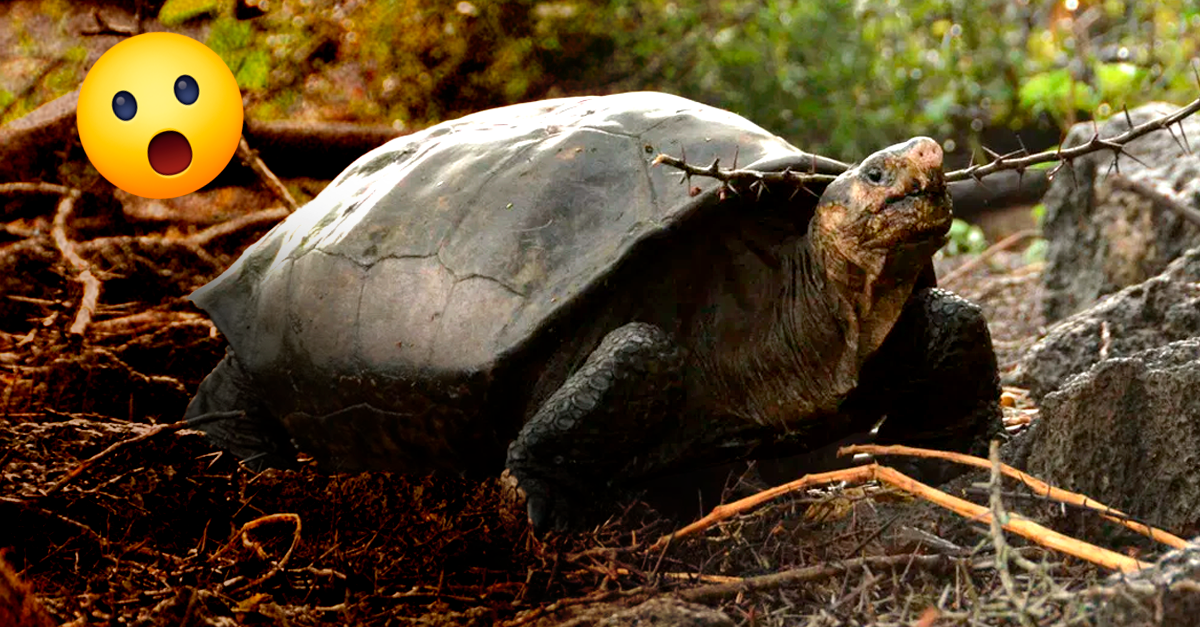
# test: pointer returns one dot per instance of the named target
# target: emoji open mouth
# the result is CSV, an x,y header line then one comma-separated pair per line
x,y
170,153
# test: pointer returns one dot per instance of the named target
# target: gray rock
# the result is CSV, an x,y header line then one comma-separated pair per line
x,y
1163,309
1127,433
1166,594
1102,237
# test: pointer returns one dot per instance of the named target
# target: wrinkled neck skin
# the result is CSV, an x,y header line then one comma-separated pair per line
x,y
870,288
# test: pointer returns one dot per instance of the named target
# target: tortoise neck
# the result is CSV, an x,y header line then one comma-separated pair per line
x,y
868,299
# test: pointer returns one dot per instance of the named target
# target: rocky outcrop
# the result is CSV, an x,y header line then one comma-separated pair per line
x,y
1164,309
1166,594
1127,433
1102,235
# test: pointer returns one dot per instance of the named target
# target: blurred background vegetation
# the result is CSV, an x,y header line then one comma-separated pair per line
x,y
837,77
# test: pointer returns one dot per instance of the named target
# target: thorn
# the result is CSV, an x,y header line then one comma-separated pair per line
x,y
1054,171
1021,143
979,181
1176,138
1123,151
992,154
1128,119
1183,133
1074,179
737,150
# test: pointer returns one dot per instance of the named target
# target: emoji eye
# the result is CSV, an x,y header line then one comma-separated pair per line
x,y
124,105
186,89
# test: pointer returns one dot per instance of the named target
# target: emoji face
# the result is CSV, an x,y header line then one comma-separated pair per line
x,y
159,115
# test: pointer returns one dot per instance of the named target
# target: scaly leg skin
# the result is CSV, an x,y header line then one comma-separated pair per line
x,y
938,383
255,436
613,409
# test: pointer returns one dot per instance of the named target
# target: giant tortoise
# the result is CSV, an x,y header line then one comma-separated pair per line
x,y
520,287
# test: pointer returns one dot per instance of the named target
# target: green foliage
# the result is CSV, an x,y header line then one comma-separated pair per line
x,y
176,12
847,78
964,238
231,40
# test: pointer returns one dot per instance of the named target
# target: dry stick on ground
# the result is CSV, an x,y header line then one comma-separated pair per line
x,y
248,542
721,591
91,285
1004,244
1017,524
745,179
202,238
35,188
250,157
1037,486
996,531
1160,195
149,433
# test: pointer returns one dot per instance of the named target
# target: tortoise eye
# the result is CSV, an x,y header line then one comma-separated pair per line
x,y
875,175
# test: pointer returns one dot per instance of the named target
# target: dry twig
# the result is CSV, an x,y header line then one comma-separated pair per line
x,y
1017,524
721,591
248,542
149,433
250,158
1037,486
91,285
1004,244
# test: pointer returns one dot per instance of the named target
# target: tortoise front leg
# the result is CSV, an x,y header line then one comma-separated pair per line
x,y
937,382
606,414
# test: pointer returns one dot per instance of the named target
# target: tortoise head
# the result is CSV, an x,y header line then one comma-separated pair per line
x,y
889,214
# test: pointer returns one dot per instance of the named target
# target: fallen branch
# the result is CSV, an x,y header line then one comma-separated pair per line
x,y
721,591
1037,486
228,227
251,159
1004,244
91,285
1016,524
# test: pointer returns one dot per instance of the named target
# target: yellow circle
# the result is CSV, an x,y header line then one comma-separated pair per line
x,y
166,147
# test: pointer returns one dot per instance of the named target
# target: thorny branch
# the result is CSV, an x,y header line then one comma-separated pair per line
x,y
740,180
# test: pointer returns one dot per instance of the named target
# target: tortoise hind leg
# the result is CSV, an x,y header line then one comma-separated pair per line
x,y
606,413
939,382
234,418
